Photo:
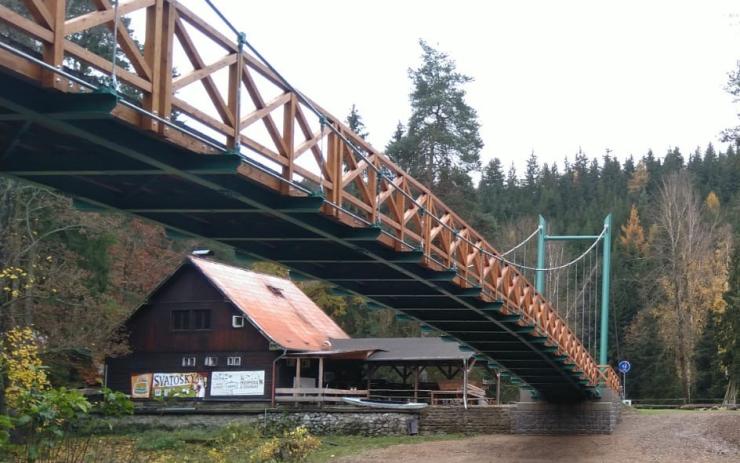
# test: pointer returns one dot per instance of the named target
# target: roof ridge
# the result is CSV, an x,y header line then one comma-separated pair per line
x,y
236,267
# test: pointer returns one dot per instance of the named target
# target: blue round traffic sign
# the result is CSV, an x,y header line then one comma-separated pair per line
x,y
624,366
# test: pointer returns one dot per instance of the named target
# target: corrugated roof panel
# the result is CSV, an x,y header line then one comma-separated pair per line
x,y
403,349
275,305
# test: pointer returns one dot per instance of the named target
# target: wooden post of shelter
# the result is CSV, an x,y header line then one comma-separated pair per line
x,y
416,383
320,379
370,370
297,380
498,387
465,384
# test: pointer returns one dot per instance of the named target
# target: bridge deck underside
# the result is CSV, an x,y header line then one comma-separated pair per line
x,y
109,164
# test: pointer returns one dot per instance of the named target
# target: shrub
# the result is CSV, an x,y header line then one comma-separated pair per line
x,y
114,403
19,357
297,444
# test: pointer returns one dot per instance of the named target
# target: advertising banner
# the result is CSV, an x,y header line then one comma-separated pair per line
x,y
179,384
237,383
141,386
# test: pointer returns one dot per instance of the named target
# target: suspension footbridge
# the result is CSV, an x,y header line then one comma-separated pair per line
x,y
195,130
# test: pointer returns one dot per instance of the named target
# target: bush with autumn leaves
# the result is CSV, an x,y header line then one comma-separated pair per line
x,y
38,416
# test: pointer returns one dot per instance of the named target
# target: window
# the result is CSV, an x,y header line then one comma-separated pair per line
x,y
237,321
201,319
211,361
233,361
275,290
191,319
188,361
180,319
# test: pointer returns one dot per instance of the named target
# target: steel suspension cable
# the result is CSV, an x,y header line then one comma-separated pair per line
x,y
567,292
532,235
525,261
584,283
550,269
595,301
590,293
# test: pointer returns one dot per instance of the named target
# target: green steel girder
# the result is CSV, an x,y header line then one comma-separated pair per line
x,y
68,106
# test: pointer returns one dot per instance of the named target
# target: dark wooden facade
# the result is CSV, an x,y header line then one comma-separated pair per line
x,y
157,346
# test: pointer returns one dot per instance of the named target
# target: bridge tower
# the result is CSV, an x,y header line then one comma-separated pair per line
x,y
606,239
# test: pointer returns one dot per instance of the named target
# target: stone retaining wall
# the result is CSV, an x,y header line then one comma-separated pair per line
x,y
474,420
571,418
520,418
353,422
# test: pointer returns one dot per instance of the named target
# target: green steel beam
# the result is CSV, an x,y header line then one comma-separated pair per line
x,y
541,249
606,275
570,237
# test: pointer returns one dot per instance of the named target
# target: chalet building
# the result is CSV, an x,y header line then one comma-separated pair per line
x,y
212,331
215,331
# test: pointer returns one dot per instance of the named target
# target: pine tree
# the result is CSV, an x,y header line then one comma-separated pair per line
x,y
532,173
491,186
442,143
355,123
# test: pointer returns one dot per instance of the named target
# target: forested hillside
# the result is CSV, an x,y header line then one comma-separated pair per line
x,y
75,276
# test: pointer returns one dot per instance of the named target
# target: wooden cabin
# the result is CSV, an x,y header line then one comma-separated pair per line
x,y
213,331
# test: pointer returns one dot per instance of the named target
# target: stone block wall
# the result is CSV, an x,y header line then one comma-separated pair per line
x,y
353,422
568,418
520,418
474,420
350,423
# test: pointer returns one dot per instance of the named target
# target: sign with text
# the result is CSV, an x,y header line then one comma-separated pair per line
x,y
237,383
179,384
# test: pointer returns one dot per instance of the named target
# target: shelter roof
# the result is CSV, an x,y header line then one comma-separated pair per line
x,y
432,349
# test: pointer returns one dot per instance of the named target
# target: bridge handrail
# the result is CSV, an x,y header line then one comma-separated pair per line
x,y
362,185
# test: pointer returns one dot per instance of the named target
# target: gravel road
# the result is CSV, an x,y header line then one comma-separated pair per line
x,y
675,437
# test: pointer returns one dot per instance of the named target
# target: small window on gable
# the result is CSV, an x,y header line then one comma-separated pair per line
x,y
233,361
211,361
188,361
180,319
275,290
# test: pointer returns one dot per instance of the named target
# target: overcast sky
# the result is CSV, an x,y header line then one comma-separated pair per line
x,y
550,76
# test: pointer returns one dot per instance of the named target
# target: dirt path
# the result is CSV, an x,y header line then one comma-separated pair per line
x,y
695,437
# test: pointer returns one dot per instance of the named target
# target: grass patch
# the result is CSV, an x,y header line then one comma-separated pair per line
x,y
665,411
340,446
168,440
226,445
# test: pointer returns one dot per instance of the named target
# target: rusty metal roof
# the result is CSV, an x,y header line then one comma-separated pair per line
x,y
275,306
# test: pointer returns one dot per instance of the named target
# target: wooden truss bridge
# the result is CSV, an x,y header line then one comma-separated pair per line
x,y
203,136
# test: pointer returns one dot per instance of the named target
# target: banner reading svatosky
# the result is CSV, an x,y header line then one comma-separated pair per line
x,y
163,385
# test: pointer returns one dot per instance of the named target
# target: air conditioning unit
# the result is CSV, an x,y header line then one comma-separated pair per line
x,y
237,321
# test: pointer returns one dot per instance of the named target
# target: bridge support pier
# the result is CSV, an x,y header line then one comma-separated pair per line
x,y
530,416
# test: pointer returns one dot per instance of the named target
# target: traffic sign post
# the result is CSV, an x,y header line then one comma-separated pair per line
x,y
624,367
